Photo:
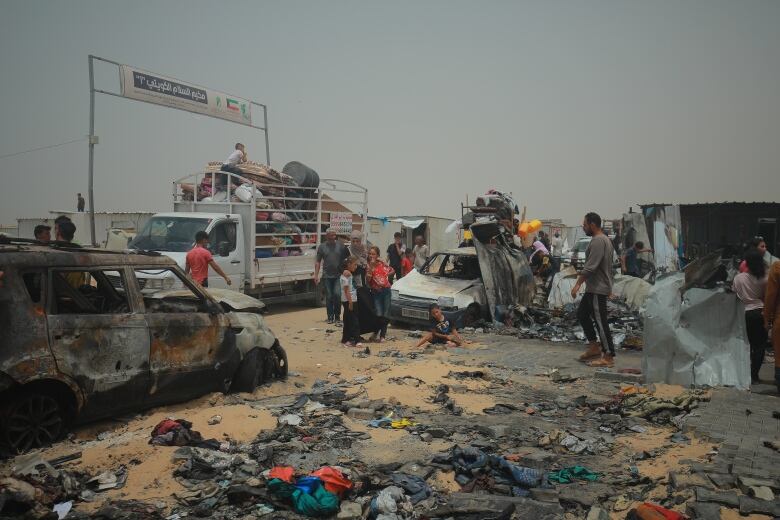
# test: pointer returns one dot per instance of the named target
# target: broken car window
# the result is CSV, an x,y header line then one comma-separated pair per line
x,y
460,267
169,234
223,238
88,292
34,284
183,299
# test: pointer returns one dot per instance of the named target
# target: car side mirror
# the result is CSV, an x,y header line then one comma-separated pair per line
x,y
223,249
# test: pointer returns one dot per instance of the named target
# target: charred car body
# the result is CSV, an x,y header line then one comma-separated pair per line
x,y
469,283
81,339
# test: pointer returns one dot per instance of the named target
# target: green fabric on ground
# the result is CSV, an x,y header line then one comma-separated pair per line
x,y
569,475
319,503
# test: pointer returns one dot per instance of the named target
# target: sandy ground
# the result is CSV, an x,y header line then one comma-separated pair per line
x,y
315,353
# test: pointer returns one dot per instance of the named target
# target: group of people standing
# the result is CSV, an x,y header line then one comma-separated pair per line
x,y
347,271
758,287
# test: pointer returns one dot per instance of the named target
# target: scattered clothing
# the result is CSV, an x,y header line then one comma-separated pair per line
x,y
317,503
284,473
569,475
415,487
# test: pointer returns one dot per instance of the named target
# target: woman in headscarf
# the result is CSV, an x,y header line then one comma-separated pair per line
x,y
540,260
358,249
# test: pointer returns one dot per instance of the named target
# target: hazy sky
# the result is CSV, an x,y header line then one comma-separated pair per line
x,y
571,105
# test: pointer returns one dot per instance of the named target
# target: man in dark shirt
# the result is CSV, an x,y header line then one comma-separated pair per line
x,y
395,252
630,260
80,203
330,257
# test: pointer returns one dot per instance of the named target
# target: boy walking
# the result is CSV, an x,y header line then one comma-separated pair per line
x,y
199,259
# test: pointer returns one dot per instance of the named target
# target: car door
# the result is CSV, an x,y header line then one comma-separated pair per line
x,y
99,337
223,244
192,347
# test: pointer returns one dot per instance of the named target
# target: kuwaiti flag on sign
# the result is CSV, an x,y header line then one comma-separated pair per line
x,y
232,104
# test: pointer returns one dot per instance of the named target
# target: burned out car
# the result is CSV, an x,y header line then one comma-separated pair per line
x,y
80,339
483,282
452,279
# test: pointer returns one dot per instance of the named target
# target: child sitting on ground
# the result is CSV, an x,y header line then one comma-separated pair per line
x,y
442,332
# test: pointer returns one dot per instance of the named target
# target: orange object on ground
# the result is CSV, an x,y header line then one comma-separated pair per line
x,y
648,511
333,480
284,473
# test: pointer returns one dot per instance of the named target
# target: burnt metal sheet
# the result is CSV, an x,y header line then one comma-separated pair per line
x,y
695,337
506,273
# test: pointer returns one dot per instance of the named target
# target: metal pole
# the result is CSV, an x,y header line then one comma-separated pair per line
x,y
92,142
267,147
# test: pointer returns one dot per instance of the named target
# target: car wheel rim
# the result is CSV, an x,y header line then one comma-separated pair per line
x,y
35,422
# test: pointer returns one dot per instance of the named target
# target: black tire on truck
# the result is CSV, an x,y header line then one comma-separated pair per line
x,y
250,373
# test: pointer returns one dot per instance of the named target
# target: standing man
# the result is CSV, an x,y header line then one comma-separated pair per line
x,y
80,203
630,260
557,252
772,314
593,307
330,257
421,252
395,253
42,233
544,239
199,259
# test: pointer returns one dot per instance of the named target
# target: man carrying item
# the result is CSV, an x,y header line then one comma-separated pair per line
x,y
421,252
42,233
593,307
330,257
199,259
630,259
395,253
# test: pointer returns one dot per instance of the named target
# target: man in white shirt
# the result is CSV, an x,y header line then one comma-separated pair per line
x,y
421,252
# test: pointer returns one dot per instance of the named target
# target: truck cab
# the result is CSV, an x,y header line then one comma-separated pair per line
x,y
173,234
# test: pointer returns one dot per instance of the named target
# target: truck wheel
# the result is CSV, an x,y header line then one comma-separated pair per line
x,y
32,420
281,360
250,373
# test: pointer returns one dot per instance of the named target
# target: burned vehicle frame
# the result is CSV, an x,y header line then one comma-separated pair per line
x,y
494,277
80,339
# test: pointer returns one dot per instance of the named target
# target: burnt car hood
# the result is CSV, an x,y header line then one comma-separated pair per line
x,y
234,300
426,286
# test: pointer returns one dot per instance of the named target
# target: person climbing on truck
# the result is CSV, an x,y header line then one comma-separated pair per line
x,y
199,259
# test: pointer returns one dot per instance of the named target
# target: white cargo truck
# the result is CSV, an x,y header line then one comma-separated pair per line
x,y
264,230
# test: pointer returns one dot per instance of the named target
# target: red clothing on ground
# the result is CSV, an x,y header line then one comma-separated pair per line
x,y
198,259
406,266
